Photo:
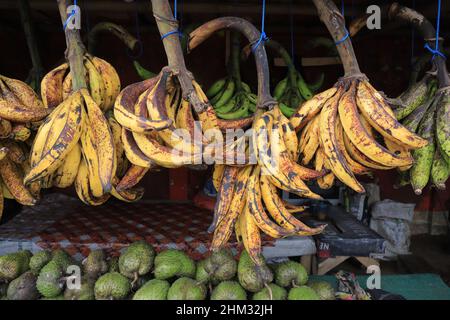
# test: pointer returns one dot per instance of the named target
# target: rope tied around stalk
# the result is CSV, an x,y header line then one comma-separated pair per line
x,y
347,34
171,22
435,52
263,37
71,15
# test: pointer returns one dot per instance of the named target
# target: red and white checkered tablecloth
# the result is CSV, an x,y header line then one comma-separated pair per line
x,y
78,228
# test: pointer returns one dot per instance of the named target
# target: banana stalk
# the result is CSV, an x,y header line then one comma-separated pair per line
x,y
75,50
120,32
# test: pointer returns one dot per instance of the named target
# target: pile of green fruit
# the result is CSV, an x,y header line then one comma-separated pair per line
x,y
425,109
141,274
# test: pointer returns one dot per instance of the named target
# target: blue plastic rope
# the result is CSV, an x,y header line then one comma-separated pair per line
x,y
70,15
263,37
347,34
177,31
436,51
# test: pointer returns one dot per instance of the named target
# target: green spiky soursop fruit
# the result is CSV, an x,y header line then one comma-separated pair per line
x,y
95,264
171,262
220,265
12,265
253,277
136,260
39,260
302,293
275,293
153,290
63,259
324,290
112,286
49,282
201,275
290,273
228,290
84,292
186,289
23,288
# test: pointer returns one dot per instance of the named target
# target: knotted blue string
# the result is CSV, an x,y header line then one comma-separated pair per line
x,y
263,37
436,51
70,15
347,34
175,14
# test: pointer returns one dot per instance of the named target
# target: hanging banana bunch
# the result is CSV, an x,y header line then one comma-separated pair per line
x,y
77,144
350,129
248,200
20,108
426,111
231,97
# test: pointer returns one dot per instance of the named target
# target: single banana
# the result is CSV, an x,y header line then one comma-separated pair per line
x,y
66,174
310,108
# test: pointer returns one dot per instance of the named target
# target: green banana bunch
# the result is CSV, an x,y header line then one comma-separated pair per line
x,y
229,101
293,90
414,96
430,118
230,97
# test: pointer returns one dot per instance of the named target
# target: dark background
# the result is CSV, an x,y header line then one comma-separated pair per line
x,y
384,55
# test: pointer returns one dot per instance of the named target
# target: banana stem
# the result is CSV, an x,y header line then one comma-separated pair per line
x,y
335,23
282,52
117,30
428,32
75,50
203,32
28,27
234,60
167,23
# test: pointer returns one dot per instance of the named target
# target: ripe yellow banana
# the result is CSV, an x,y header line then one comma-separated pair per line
x,y
310,108
65,175
225,223
96,86
12,177
124,108
217,175
102,142
258,212
309,140
82,187
52,86
132,177
224,195
250,234
355,166
280,213
111,81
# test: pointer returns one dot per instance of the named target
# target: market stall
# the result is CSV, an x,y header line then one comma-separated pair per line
x,y
197,151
